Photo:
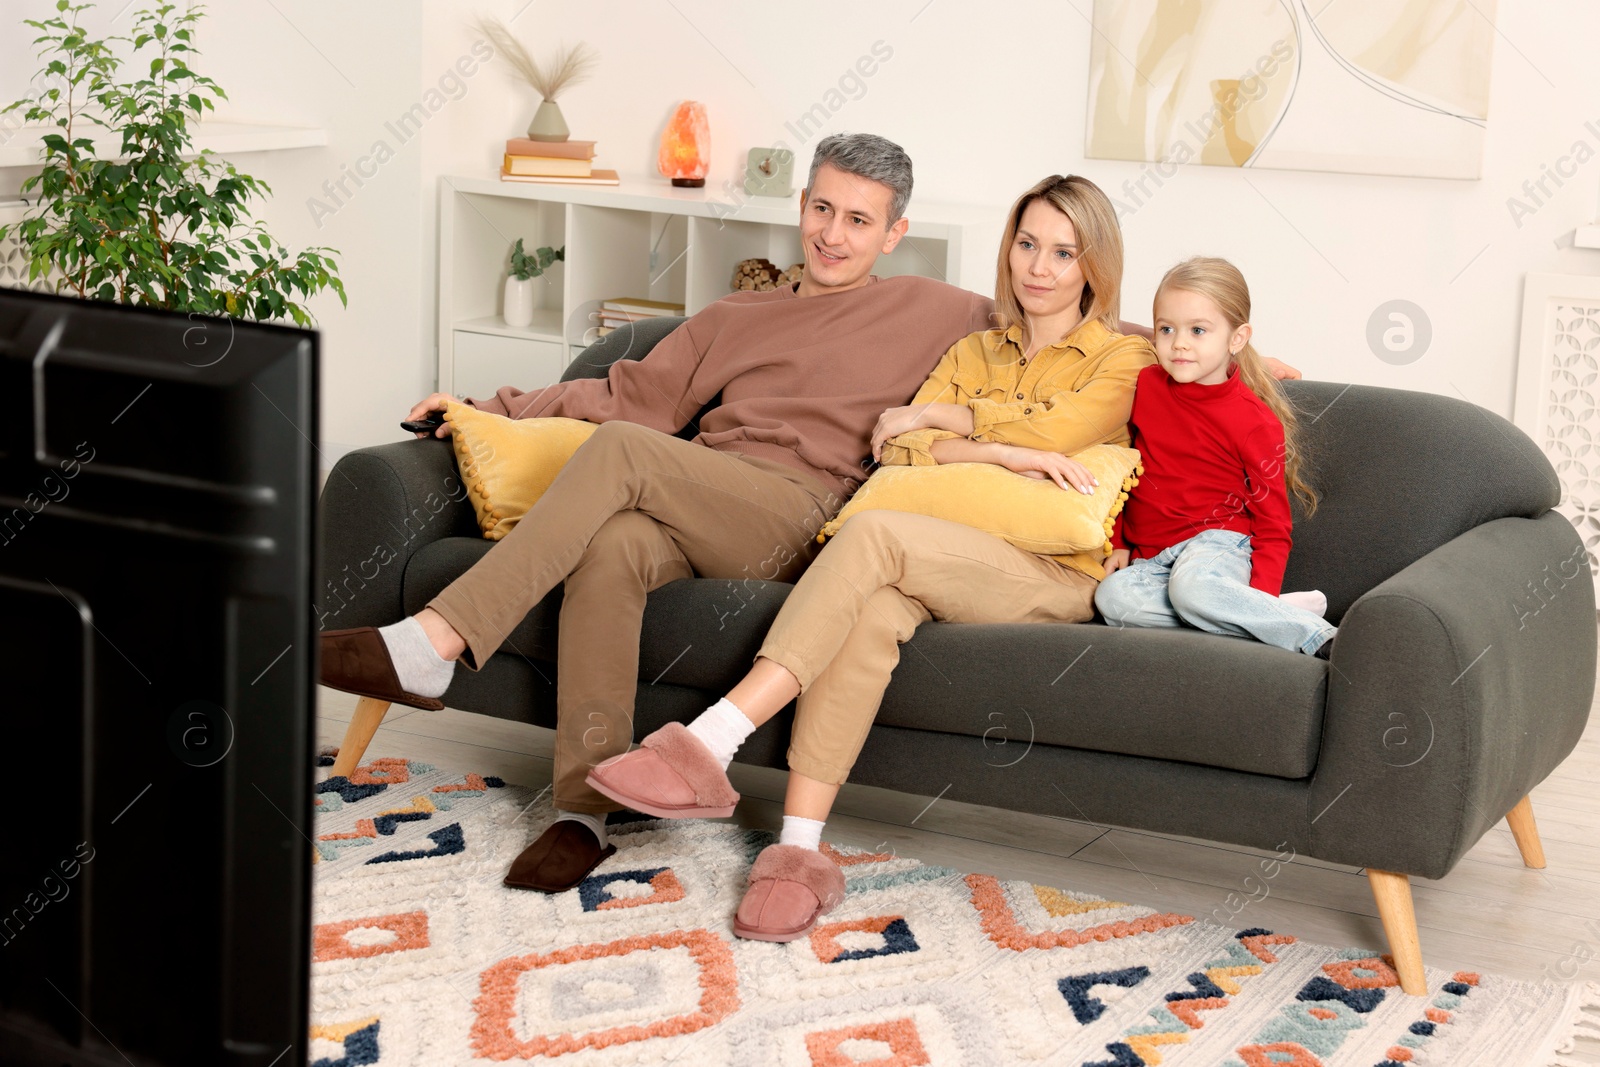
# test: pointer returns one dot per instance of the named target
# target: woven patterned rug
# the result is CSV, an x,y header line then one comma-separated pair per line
x,y
421,957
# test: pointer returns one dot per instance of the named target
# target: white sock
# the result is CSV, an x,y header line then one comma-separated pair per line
x,y
420,669
595,823
807,833
722,728
1311,600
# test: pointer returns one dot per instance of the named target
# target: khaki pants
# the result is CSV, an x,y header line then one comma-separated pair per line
x,y
631,511
884,574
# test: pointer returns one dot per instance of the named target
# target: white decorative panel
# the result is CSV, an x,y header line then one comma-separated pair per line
x,y
1571,421
1558,392
13,263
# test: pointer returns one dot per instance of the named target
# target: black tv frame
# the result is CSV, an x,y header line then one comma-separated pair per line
x,y
158,554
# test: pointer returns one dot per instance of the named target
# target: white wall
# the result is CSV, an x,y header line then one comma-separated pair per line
x,y
347,68
352,69
986,98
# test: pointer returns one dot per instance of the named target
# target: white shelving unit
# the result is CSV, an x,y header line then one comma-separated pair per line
x,y
642,238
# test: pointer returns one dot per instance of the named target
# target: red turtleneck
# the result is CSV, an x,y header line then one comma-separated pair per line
x,y
1213,460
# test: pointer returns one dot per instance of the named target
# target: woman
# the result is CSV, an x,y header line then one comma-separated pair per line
x,y
1053,379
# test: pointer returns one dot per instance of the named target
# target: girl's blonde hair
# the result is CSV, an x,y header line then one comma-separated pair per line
x,y
1099,237
1220,282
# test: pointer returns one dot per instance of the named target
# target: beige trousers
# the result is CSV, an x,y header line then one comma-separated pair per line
x,y
631,511
839,633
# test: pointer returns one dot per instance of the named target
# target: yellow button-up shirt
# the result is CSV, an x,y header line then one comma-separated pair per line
x,y
1071,394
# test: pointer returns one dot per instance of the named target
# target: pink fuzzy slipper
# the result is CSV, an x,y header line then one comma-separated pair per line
x,y
671,776
790,889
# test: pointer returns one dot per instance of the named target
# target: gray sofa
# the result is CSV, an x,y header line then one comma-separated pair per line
x,y
1462,675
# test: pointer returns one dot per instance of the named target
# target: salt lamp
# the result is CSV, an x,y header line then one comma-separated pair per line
x,y
686,146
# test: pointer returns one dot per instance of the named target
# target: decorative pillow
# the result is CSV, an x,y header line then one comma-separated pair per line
x,y
507,464
1032,513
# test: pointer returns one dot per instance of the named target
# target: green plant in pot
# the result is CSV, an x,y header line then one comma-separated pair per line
x,y
519,283
154,229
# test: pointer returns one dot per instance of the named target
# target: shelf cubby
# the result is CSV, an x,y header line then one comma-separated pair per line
x,y
642,238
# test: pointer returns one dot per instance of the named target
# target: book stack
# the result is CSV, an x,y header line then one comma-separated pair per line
x,y
562,162
625,309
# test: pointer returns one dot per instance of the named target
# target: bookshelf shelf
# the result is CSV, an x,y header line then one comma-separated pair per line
x,y
640,238
546,326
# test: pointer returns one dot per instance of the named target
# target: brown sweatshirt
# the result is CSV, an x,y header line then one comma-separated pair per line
x,y
803,379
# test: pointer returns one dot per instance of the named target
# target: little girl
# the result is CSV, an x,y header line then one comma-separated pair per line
x,y
1205,535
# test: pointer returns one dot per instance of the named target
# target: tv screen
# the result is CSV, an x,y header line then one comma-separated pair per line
x,y
157,517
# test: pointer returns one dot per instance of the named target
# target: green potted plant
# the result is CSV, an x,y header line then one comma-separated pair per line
x,y
154,229
519,283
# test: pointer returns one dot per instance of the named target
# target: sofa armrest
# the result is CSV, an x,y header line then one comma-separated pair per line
x,y
379,506
1455,687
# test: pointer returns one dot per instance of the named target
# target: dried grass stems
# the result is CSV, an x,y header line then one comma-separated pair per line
x,y
566,67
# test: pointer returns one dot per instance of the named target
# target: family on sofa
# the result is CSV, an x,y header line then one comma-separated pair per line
x,y
814,380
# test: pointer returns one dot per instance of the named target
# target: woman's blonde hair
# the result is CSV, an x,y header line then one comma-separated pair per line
x,y
1099,255
1220,282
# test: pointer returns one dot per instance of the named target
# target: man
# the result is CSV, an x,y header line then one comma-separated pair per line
x,y
804,373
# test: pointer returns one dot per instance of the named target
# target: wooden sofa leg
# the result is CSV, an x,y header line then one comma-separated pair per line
x,y
1526,833
363,724
1393,895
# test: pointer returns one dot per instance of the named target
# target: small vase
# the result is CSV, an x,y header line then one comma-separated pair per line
x,y
547,124
519,301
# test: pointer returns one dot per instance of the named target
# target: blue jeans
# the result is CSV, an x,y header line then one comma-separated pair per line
x,y
1205,582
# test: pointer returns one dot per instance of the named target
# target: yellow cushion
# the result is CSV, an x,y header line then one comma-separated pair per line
x,y
1032,513
507,464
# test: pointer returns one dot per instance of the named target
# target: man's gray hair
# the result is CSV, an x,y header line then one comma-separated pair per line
x,y
866,155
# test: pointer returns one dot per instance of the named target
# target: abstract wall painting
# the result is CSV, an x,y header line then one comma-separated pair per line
x,y
1396,87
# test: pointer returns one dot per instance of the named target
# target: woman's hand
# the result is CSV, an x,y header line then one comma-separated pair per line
x,y
894,422
435,402
956,418
1116,561
1066,472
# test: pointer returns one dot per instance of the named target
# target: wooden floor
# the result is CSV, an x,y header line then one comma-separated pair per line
x,y
1489,913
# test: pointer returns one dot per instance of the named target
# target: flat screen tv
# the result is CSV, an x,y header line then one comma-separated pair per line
x,y
157,685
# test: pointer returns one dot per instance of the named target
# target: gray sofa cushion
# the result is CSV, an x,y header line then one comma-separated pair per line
x,y
1170,694
1173,695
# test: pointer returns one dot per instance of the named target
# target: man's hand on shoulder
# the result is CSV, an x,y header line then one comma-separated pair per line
x,y
1279,369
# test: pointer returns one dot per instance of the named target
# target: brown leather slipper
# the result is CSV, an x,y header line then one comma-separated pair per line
x,y
357,661
559,860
